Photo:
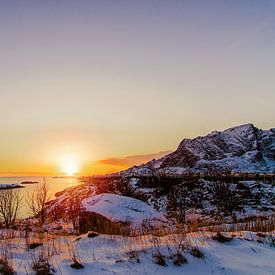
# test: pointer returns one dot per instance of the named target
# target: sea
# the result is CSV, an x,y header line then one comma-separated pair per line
x,y
55,184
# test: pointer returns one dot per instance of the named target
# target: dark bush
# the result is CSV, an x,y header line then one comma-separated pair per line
x,y
133,256
77,265
197,253
41,266
5,267
221,238
34,245
179,260
92,234
160,259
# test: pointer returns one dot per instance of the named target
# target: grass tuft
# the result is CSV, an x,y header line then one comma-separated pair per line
x,y
41,265
179,260
133,256
197,253
160,259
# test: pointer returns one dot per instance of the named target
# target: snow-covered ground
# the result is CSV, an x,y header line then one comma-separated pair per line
x,y
247,253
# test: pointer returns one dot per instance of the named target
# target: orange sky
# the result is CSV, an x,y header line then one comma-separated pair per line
x,y
97,86
104,166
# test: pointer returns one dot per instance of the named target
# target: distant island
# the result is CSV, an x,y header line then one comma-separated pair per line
x,y
10,186
29,182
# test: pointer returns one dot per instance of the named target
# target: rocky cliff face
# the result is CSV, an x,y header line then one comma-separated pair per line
x,y
243,148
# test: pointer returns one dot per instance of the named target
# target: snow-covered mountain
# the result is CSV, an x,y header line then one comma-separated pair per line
x,y
131,196
243,148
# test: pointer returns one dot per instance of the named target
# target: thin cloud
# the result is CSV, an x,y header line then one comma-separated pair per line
x,y
248,35
133,160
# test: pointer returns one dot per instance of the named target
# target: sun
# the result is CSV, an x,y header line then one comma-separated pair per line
x,y
70,165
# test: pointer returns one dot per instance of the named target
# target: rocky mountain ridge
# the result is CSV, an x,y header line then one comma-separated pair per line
x,y
243,149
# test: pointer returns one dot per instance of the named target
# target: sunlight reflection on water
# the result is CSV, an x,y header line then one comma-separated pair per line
x,y
55,185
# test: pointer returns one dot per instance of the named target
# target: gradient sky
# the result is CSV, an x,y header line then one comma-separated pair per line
x,y
102,79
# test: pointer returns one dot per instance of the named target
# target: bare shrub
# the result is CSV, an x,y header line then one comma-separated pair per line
x,y
6,266
179,202
74,211
225,198
159,258
157,253
133,256
10,203
76,261
179,244
37,202
41,264
179,260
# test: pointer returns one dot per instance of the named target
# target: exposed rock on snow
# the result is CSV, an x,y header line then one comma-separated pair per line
x,y
139,171
65,197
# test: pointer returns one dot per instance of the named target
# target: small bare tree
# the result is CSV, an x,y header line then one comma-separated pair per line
x,y
10,203
37,201
179,202
225,198
74,210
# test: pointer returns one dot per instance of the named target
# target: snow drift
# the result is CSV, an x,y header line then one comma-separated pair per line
x,y
125,210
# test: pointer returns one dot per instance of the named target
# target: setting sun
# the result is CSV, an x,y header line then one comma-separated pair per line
x,y
70,165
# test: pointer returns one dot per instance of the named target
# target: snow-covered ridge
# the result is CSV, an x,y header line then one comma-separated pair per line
x,y
243,149
240,149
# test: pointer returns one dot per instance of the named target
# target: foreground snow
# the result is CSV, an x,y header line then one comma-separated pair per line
x,y
245,254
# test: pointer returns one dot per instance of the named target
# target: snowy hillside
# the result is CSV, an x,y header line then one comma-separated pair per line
x,y
124,209
142,193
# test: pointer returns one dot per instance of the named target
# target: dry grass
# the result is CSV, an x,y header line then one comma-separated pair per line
x,y
41,266
72,251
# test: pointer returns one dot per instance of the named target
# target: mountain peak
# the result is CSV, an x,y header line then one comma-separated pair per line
x,y
237,129
241,128
242,148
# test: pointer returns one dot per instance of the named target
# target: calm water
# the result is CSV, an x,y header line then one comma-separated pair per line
x,y
55,185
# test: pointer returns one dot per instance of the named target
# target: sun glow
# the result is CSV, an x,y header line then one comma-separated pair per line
x,y
70,165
